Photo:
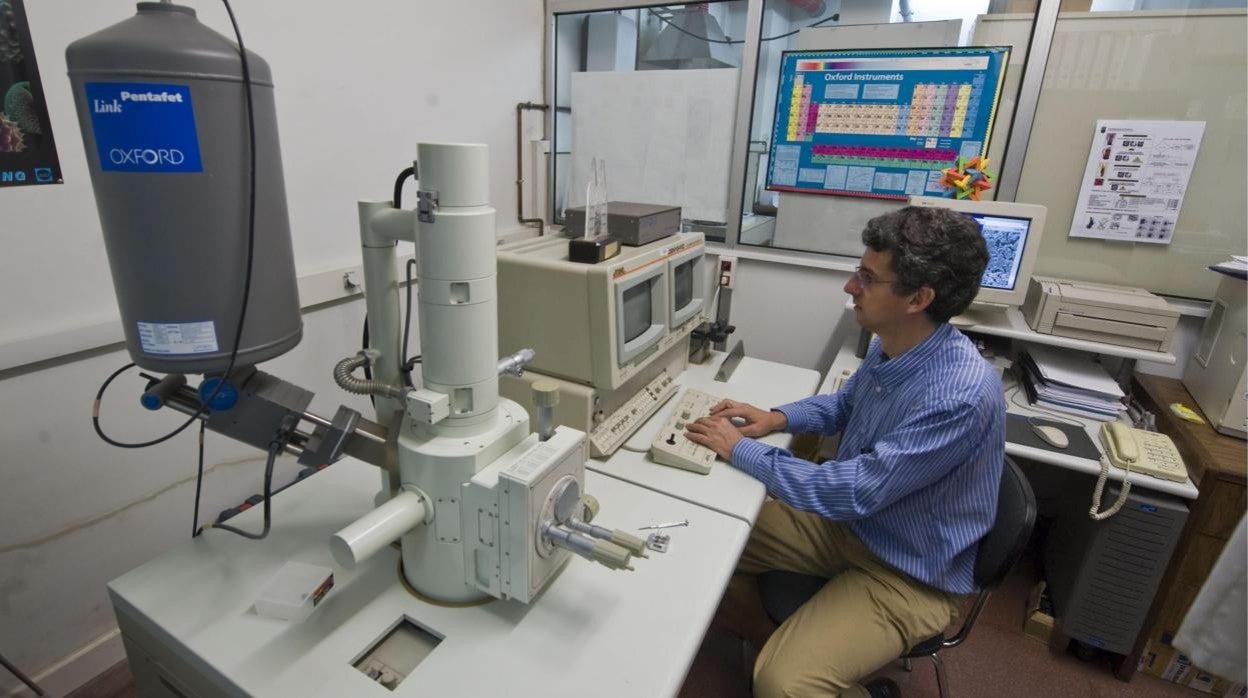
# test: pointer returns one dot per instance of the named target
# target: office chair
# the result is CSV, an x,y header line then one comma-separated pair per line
x,y
784,592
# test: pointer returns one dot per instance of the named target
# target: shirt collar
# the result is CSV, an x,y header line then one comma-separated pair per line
x,y
898,369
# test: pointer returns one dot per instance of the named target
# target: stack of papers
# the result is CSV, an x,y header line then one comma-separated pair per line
x,y
1071,382
1235,266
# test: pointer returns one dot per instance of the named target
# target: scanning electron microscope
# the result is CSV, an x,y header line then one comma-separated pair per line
x,y
481,504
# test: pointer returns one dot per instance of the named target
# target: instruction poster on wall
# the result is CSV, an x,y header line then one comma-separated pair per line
x,y
27,150
1135,180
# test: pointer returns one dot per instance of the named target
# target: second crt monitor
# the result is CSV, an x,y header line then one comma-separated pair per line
x,y
1013,233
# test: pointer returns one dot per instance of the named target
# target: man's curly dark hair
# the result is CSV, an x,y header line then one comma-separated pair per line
x,y
932,247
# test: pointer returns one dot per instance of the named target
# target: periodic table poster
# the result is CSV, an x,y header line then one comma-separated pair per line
x,y
882,123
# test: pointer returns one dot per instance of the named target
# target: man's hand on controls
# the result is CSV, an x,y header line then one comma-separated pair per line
x,y
729,421
750,420
716,433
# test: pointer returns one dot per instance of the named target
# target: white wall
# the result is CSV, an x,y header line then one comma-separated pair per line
x,y
790,314
355,92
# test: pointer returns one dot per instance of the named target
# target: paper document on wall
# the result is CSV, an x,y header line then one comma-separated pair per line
x,y
1135,180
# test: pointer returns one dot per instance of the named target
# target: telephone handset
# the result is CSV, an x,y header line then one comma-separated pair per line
x,y
1147,452
1134,449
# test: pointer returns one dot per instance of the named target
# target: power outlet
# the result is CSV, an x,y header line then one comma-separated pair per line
x,y
727,272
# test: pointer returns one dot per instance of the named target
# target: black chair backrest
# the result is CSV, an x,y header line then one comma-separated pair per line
x,y
1004,543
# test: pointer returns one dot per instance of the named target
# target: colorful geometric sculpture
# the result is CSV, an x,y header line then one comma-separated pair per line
x,y
968,179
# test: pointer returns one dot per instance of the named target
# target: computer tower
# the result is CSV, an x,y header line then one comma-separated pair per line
x,y
1102,575
1216,375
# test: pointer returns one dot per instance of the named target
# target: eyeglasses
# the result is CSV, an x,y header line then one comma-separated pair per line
x,y
866,278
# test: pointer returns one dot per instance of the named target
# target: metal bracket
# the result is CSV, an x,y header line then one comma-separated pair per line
x,y
658,542
730,362
426,205
330,445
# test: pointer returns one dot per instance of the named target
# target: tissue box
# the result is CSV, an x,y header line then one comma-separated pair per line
x,y
295,591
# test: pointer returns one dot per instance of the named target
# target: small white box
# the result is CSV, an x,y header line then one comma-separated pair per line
x,y
294,591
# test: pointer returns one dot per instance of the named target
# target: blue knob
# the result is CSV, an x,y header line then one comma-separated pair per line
x,y
224,400
151,401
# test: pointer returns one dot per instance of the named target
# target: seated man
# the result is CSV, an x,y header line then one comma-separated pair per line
x,y
893,522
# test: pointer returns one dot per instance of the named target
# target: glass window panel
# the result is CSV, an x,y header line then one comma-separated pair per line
x,y
867,136
652,92
1153,66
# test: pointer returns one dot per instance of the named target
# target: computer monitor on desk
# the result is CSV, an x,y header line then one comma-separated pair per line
x,y
614,335
1013,233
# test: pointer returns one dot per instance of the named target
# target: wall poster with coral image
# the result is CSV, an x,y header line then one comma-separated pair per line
x,y
27,150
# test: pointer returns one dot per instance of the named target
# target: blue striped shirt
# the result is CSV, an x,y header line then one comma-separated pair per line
x,y
919,465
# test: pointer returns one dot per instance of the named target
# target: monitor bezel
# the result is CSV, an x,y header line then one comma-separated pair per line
x,y
1003,209
627,351
678,316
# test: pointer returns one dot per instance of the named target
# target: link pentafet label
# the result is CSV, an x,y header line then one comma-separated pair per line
x,y
144,127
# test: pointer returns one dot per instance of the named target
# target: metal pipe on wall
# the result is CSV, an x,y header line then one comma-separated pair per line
x,y
520,109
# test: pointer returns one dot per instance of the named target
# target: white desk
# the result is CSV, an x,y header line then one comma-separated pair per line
x,y
725,489
592,632
845,359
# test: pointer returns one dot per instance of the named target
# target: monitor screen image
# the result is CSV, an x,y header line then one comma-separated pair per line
x,y
1012,232
682,284
1006,238
636,311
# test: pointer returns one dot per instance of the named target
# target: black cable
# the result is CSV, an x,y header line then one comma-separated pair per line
x,y
398,185
199,481
30,683
368,371
251,253
832,18
407,326
275,447
397,202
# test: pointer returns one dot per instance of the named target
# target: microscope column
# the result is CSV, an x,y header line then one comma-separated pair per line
x,y
458,287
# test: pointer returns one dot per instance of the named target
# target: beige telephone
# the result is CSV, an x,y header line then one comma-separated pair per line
x,y
1146,451
1134,449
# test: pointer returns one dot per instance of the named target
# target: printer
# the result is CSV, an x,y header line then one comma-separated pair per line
x,y
1121,315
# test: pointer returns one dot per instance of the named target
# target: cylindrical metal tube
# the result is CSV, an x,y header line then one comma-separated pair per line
x,y
459,172
514,364
378,528
155,396
629,542
545,423
458,293
381,299
545,396
361,386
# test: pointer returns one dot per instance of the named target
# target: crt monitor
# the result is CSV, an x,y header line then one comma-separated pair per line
x,y
599,324
1013,233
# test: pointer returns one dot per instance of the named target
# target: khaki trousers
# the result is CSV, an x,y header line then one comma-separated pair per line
x,y
867,615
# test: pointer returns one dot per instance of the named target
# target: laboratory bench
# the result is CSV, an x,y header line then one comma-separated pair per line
x,y
190,627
